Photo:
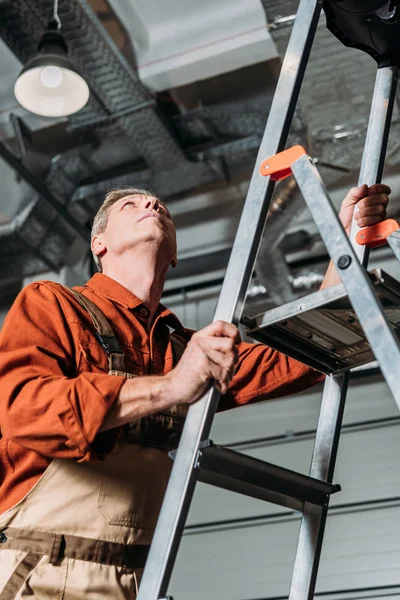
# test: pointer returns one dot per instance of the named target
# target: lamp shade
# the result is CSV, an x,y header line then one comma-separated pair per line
x,y
49,84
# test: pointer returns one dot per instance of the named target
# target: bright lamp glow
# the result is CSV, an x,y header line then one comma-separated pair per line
x,y
49,85
50,90
51,77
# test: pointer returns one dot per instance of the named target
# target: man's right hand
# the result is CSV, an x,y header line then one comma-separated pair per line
x,y
210,358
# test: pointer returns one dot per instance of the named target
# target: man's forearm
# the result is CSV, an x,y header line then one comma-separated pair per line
x,y
331,277
139,397
209,358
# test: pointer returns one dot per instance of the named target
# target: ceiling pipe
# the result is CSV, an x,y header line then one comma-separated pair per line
x,y
43,191
271,266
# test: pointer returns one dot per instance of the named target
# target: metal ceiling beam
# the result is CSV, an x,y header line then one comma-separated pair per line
x,y
42,191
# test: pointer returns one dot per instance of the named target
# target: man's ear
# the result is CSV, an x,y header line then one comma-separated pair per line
x,y
174,262
98,246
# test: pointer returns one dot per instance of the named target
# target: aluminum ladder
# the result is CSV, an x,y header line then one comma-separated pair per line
x,y
197,458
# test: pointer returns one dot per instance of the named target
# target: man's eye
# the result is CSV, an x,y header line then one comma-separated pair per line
x,y
165,212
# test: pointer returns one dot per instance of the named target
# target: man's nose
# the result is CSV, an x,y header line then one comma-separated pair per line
x,y
151,203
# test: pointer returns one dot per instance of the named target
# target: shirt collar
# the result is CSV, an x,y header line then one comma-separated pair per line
x,y
114,291
169,318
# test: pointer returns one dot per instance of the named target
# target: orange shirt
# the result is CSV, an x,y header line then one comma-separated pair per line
x,y
55,387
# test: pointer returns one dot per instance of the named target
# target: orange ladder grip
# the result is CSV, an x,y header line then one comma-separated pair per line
x,y
376,235
279,166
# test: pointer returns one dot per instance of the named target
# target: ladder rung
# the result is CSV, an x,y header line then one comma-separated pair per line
x,y
244,474
322,329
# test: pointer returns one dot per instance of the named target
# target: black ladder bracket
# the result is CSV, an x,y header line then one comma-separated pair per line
x,y
231,470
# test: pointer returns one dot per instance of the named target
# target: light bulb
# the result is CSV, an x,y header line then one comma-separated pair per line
x,y
51,77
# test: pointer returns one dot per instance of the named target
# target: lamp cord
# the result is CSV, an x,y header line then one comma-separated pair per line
x,y
55,14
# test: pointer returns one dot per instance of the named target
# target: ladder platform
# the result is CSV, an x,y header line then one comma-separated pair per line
x,y
231,470
322,329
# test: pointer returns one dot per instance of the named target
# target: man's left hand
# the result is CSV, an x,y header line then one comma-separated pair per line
x,y
368,204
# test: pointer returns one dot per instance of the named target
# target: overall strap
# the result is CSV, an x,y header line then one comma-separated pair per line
x,y
105,335
162,430
178,347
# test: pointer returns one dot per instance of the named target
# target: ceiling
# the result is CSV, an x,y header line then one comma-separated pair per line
x,y
180,93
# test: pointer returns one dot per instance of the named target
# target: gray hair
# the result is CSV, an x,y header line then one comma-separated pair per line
x,y
101,217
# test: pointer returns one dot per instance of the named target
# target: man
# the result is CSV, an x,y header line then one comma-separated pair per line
x,y
93,396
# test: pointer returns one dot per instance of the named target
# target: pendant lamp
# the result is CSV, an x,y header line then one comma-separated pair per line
x,y
49,85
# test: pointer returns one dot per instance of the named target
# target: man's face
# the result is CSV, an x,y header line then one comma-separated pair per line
x,y
136,219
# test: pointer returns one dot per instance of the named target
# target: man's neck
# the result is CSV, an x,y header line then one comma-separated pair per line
x,y
141,275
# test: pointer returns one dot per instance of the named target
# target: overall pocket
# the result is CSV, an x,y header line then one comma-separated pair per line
x,y
133,486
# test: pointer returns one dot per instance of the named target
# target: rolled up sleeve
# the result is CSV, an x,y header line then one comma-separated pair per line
x,y
263,373
46,405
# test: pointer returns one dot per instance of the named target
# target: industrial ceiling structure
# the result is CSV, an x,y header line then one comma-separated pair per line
x,y
179,96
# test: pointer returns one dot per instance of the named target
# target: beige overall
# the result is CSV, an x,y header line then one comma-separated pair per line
x,y
84,529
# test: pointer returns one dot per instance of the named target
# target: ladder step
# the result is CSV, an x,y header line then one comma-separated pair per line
x,y
237,472
322,330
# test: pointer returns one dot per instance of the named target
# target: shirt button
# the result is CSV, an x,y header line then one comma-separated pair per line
x,y
144,312
3,537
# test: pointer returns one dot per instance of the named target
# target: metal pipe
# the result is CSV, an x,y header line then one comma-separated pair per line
x,y
272,268
373,158
182,481
79,124
43,191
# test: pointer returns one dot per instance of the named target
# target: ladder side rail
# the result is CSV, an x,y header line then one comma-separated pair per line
x,y
373,158
198,423
314,518
322,467
367,306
